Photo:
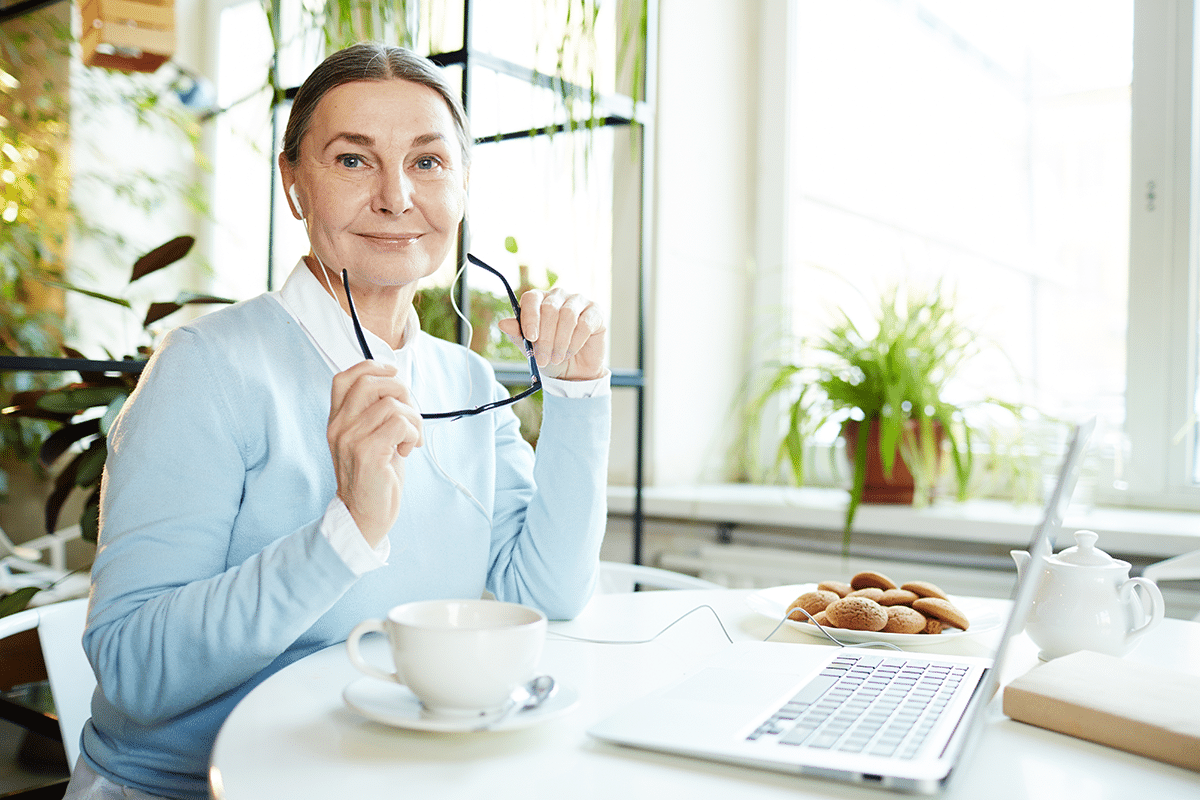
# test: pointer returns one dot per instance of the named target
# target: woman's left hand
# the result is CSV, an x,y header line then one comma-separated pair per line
x,y
566,331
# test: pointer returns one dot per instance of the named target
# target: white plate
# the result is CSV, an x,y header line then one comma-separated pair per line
x,y
774,603
393,704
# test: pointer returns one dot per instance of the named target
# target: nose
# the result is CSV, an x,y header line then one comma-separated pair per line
x,y
395,193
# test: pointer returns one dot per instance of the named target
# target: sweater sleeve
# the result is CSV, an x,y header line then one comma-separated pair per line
x,y
171,624
548,525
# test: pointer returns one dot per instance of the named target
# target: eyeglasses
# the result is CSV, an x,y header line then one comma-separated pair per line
x,y
536,377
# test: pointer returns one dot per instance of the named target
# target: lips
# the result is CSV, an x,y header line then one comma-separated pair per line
x,y
392,238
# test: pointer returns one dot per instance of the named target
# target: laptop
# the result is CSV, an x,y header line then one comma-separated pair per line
x,y
873,716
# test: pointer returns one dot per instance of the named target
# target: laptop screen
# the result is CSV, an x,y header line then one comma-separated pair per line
x,y
1039,548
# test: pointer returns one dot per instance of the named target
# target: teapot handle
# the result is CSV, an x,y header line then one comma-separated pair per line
x,y
1151,592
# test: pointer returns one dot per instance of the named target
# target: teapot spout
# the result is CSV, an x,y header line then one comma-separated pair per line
x,y
1022,559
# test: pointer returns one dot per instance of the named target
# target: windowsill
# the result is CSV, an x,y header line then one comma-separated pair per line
x,y
1158,534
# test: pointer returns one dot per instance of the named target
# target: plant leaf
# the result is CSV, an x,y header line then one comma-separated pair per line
x,y
25,404
89,519
61,440
110,413
162,256
108,298
16,601
159,310
78,397
191,298
91,464
860,480
63,484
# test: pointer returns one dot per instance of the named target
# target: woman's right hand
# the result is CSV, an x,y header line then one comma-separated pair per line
x,y
373,426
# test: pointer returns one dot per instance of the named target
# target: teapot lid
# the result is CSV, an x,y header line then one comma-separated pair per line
x,y
1085,552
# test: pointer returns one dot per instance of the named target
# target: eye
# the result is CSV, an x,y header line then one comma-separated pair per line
x,y
350,161
426,163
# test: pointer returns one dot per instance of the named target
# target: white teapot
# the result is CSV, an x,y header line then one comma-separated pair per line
x,y
1087,601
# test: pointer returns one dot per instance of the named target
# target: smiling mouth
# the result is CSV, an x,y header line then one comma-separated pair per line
x,y
392,238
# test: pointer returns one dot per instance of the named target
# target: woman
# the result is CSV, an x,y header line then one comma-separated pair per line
x,y
267,487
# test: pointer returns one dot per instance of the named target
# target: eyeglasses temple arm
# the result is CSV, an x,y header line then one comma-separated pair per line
x,y
533,367
358,331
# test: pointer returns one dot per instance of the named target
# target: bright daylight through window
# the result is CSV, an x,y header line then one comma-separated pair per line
x,y
985,145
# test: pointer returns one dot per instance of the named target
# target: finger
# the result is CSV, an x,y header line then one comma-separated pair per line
x,y
590,323
509,328
372,440
531,308
355,389
569,334
344,382
549,324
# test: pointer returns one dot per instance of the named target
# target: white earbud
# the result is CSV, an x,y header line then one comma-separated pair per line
x,y
295,199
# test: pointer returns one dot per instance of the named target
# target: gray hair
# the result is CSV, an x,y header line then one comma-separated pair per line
x,y
370,61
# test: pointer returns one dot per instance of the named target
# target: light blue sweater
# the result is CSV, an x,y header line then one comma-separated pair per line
x,y
211,573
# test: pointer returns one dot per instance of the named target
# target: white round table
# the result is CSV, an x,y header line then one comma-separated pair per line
x,y
294,737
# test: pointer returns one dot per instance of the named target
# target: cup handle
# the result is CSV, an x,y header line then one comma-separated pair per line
x,y
356,658
1151,592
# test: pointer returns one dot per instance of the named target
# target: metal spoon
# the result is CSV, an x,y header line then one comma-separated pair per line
x,y
525,698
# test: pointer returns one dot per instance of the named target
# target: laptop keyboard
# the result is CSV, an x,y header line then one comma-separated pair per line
x,y
866,703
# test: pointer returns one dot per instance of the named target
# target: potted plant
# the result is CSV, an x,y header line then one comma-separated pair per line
x,y
886,389
82,411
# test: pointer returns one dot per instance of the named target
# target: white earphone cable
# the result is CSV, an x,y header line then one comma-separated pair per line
x,y
343,317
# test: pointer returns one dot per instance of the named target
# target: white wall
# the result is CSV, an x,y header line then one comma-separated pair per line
x,y
704,233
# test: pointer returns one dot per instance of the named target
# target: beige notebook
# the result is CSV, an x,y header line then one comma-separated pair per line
x,y
1131,706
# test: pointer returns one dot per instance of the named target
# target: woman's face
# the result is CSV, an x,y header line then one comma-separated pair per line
x,y
381,181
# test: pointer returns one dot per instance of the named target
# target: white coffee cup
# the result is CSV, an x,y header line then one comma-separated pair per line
x,y
459,657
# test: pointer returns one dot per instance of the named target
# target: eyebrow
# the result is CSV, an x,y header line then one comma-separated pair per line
x,y
363,140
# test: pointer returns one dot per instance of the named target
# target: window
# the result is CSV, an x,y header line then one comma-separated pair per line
x,y
989,146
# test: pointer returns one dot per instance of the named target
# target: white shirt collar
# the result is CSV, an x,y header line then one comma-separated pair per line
x,y
332,331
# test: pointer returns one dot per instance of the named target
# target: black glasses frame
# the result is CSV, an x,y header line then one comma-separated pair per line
x,y
536,377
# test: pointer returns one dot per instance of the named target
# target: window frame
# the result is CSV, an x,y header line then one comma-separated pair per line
x,y
1161,354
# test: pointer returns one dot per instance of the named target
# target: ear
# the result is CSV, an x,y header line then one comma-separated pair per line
x,y
287,177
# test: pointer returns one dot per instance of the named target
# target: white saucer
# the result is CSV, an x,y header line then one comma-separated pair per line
x,y
393,704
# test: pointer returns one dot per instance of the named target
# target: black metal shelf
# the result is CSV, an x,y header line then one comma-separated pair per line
x,y
617,111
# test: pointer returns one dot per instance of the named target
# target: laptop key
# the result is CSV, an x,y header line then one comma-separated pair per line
x,y
815,688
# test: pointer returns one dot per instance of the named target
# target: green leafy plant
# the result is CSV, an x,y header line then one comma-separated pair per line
x,y
897,375
83,411
35,215
49,103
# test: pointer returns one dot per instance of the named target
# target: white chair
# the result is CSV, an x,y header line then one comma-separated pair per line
x,y
41,562
60,631
616,578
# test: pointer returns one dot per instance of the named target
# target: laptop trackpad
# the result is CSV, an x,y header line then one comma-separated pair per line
x,y
732,686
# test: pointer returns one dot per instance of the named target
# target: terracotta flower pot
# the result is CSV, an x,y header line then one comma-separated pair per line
x,y
899,488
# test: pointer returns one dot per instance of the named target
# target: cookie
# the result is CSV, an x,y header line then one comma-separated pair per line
x,y
812,602
837,587
873,592
902,619
865,579
821,618
857,614
932,626
925,589
896,597
943,611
